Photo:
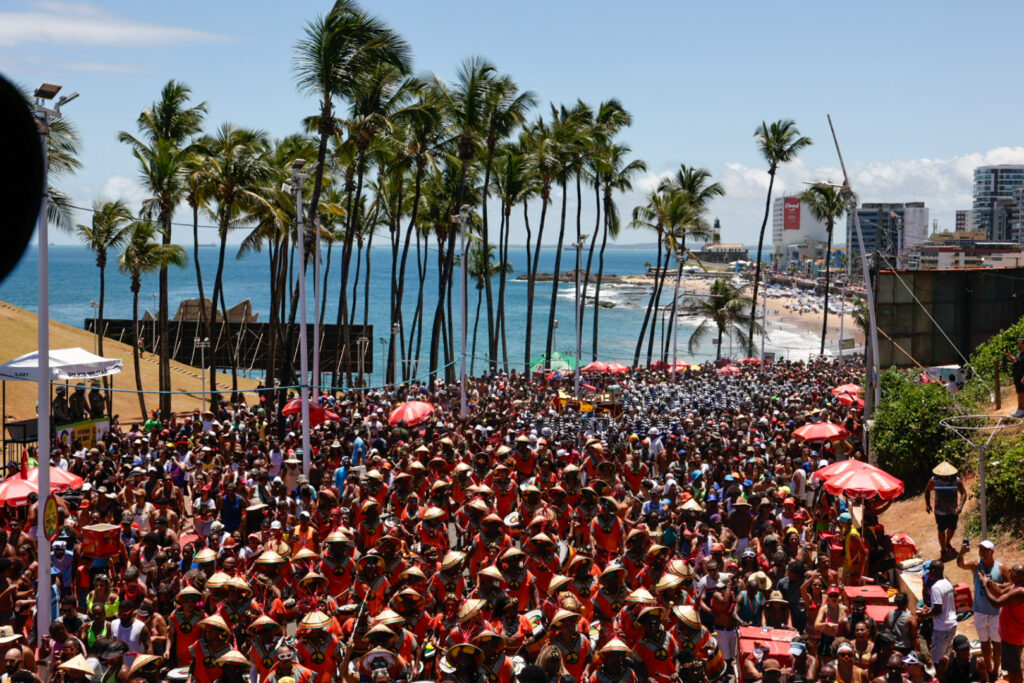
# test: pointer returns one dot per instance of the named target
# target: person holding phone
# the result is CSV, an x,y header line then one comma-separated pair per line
x,y
986,615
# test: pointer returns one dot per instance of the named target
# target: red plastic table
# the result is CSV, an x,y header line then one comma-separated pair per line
x,y
875,595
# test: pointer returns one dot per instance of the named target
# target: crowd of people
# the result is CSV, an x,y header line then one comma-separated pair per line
x,y
680,537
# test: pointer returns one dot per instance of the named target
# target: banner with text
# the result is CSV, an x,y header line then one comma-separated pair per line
x,y
791,213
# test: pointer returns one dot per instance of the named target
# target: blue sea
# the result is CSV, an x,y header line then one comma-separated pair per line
x,y
74,283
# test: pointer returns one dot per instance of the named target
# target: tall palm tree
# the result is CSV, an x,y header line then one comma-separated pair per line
x,y
108,232
337,49
143,255
483,267
163,155
826,204
234,171
779,143
723,311
654,215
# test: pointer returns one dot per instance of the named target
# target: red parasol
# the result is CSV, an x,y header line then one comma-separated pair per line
x,y
317,415
866,481
15,489
617,368
729,370
850,389
411,413
826,473
60,480
750,361
824,431
594,367
658,365
850,399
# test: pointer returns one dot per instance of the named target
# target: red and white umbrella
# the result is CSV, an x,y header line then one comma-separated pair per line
x,y
617,368
826,473
849,389
866,481
60,480
317,415
749,361
850,400
594,367
823,431
15,489
411,413
729,370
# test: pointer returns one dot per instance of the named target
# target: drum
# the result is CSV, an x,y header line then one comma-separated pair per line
x,y
715,664
536,618
518,664
565,553
179,675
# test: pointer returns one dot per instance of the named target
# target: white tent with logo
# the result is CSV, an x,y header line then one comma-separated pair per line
x,y
65,364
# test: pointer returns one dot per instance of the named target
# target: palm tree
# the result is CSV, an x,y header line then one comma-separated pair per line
x,y
779,143
654,215
482,267
160,149
826,204
142,255
234,171
723,310
108,232
337,49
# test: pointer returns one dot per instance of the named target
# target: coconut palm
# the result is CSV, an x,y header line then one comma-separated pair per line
x,y
337,49
654,215
234,171
779,143
108,232
143,255
723,311
825,204
483,267
163,155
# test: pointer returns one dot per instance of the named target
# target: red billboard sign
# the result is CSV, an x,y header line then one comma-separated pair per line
x,y
791,213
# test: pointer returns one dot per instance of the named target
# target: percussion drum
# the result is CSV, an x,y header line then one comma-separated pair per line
x,y
179,675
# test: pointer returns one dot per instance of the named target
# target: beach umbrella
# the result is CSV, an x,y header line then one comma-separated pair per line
x,y
595,367
617,368
411,413
850,399
865,481
822,431
852,389
829,471
15,489
60,480
729,370
558,362
750,361
658,365
317,415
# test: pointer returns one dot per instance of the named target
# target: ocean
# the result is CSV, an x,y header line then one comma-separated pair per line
x,y
74,283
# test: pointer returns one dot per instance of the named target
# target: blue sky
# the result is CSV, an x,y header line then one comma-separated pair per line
x,y
921,93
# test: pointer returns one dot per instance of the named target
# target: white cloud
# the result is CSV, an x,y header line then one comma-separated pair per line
x,y
120,187
101,67
83,24
650,180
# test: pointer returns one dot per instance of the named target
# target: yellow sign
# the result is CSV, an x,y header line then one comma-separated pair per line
x,y
50,518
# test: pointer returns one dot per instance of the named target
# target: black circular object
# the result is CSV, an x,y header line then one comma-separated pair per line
x,y
21,175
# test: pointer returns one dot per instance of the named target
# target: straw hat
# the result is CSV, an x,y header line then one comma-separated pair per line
x,y
776,596
563,615
681,568
335,537
692,505
305,554
315,621
269,557
228,658
414,573
578,560
491,572
470,608
205,555
376,658
239,583
687,615
216,621
312,576
464,648
640,596
512,553
408,594
655,551
944,469
8,636
557,581
612,569
433,513
654,611
487,636
369,559
452,559
741,502
761,580
667,582
615,646
217,580
492,519
388,617
79,663
263,622
369,505
541,538
186,592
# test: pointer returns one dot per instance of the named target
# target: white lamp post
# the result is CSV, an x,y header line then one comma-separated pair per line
x,y
298,177
461,218
579,317
202,344
95,325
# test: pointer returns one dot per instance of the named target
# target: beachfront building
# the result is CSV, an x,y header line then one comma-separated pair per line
x,y
998,194
965,249
888,228
722,252
964,220
795,230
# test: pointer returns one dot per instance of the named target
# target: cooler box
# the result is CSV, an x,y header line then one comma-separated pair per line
x,y
879,612
903,547
875,595
777,640
963,598
101,540
835,545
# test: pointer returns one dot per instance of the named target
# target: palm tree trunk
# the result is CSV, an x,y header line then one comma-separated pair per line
x,y
757,268
531,268
590,262
99,322
417,320
554,281
492,339
476,325
323,287
657,300
164,346
503,259
600,276
135,347
828,275
405,254
651,305
355,280
218,285
366,285
721,333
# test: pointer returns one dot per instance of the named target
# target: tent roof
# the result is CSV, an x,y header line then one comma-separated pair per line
x,y
70,364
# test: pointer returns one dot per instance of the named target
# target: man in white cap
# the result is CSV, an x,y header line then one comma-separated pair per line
x,y
986,615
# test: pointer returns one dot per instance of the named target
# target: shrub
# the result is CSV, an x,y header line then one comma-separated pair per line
x,y
990,354
1004,476
907,436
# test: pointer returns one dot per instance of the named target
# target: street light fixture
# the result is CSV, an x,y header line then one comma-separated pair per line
x,y
579,244
461,217
297,178
395,329
202,344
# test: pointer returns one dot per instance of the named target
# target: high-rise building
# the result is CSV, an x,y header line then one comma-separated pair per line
x,y
888,228
964,220
794,227
997,201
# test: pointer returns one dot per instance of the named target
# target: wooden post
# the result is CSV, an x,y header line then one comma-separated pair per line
x,y
999,389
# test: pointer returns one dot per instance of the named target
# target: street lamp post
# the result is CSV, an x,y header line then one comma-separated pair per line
x,y
316,306
202,344
579,317
395,329
154,321
298,177
44,115
383,356
95,325
675,316
554,336
361,344
461,218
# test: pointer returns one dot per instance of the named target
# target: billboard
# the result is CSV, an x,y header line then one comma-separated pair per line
x,y
791,213
87,431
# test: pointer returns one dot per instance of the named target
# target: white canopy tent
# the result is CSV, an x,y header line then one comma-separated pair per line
x,y
65,364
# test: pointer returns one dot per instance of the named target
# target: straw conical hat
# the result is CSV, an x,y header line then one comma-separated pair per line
x,y
563,615
641,596
217,580
491,572
470,608
233,657
270,557
944,469
263,622
681,568
615,646
488,635
155,661
557,581
382,630
216,621
413,572
79,663
656,611
315,620
305,554
452,559
312,576
433,512
687,614
188,591
612,569
205,555
667,582
463,648
388,617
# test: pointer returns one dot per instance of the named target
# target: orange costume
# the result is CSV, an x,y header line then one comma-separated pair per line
x,y
204,662
321,660
185,635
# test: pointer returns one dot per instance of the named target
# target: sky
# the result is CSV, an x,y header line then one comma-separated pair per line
x,y
920,92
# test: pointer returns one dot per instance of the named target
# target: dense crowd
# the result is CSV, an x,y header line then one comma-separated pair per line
x,y
677,536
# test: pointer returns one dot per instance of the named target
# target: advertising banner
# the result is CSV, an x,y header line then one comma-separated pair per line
x,y
791,213
87,431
